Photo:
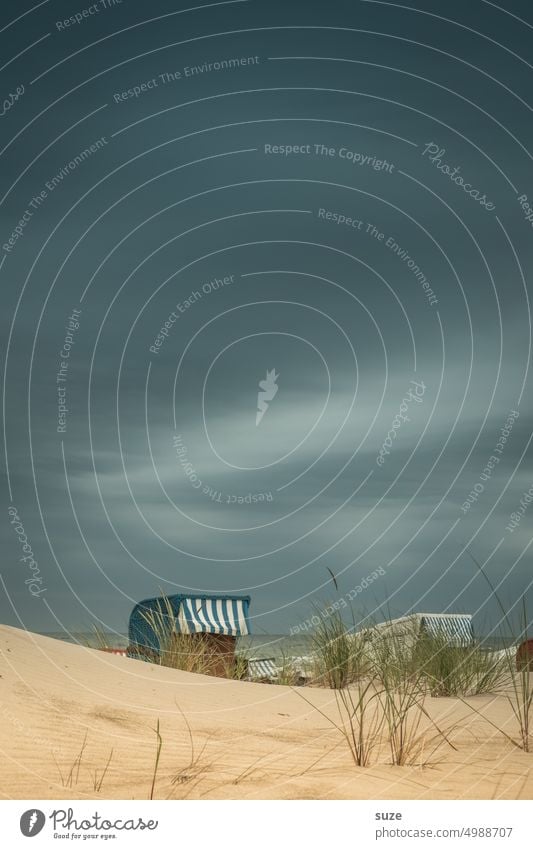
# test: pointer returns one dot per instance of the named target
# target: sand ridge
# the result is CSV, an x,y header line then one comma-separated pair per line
x,y
220,739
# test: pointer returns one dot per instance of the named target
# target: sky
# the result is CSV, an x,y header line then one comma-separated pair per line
x,y
331,199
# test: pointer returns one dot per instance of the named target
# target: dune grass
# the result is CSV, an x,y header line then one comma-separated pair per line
x,y
339,654
358,719
99,639
521,700
439,665
72,778
395,671
403,693
239,669
380,692
455,670
520,675
521,697
287,675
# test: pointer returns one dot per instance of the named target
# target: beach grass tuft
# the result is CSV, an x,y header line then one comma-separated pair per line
x,y
456,670
358,719
339,654
380,690
520,676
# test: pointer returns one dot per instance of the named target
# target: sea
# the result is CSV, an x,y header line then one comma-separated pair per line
x,y
280,647
277,646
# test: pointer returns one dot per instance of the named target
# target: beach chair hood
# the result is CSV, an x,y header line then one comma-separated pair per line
x,y
189,614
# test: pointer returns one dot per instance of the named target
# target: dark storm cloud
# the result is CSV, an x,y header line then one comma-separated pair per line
x,y
127,525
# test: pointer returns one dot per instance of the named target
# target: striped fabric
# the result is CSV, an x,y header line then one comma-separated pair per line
x,y
457,628
212,616
262,668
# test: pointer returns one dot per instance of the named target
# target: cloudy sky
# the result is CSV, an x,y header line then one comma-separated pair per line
x,y
335,191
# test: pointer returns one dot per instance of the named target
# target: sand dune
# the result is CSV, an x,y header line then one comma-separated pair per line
x,y
246,740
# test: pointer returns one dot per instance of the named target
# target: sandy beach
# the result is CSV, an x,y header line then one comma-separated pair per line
x,y
219,738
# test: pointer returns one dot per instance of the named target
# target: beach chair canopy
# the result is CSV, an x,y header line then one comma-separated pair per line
x,y
264,667
456,627
188,614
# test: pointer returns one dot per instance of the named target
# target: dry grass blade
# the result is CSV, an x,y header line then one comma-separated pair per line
x,y
100,638
483,716
359,723
74,772
247,772
61,776
321,758
194,768
77,764
99,780
157,756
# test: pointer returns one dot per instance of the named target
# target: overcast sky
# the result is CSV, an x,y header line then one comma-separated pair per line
x,y
381,268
